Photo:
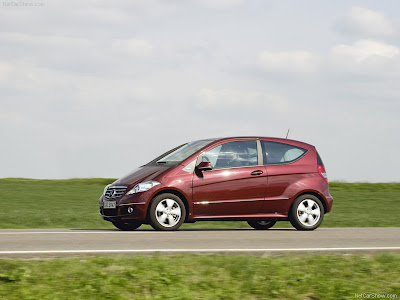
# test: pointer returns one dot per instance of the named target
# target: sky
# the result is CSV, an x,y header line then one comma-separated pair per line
x,y
98,88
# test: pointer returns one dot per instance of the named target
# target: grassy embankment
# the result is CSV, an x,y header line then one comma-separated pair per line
x,y
28,203
201,277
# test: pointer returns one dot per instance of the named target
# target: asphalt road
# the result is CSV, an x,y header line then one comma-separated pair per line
x,y
44,243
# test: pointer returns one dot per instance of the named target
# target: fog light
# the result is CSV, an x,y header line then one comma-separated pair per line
x,y
130,210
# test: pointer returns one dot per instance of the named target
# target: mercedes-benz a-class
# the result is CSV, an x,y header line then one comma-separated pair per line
x,y
255,179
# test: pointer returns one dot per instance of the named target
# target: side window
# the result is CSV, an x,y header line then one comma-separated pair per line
x,y
280,153
212,155
233,155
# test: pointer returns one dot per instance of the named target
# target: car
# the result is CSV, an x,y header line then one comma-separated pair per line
x,y
260,180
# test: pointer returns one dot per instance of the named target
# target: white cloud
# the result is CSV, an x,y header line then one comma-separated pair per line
x,y
229,99
367,22
86,55
28,78
367,58
29,40
362,50
214,98
5,69
289,61
135,47
220,4
104,14
12,118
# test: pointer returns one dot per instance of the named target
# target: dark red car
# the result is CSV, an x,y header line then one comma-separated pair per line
x,y
256,179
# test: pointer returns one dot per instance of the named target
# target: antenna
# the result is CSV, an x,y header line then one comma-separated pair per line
x,y
287,134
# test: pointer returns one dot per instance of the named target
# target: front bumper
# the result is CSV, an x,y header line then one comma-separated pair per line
x,y
131,207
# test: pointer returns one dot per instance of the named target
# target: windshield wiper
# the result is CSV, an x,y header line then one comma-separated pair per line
x,y
161,162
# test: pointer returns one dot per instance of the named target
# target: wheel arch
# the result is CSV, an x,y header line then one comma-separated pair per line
x,y
174,192
321,198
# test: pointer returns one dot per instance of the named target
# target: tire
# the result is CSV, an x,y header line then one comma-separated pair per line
x,y
167,212
306,213
261,224
127,226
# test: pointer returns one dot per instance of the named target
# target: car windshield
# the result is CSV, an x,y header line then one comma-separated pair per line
x,y
182,152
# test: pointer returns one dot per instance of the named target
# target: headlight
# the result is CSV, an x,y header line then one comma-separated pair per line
x,y
105,189
143,186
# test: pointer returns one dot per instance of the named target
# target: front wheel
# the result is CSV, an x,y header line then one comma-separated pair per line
x,y
127,226
261,224
167,212
306,213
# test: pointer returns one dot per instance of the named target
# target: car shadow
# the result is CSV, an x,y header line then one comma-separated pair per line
x,y
182,229
234,229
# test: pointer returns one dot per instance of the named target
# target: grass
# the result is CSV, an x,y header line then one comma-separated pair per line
x,y
73,203
201,277
28,203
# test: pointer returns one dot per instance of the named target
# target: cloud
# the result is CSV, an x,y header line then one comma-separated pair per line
x,y
240,101
5,69
135,47
366,57
362,50
366,22
81,55
219,4
23,39
288,61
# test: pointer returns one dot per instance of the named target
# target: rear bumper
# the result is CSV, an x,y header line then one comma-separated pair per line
x,y
329,203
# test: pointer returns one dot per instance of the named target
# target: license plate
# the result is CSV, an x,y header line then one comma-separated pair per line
x,y
109,204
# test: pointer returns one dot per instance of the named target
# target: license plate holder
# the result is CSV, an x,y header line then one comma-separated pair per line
x,y
109,204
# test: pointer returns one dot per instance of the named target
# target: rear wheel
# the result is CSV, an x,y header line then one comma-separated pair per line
x,y
167,212
307,212
127,226
261,224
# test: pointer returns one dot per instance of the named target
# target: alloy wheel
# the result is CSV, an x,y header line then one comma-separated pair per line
x,y
308,212
168,212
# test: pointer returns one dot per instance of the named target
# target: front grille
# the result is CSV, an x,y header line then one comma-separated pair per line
x,y
114,192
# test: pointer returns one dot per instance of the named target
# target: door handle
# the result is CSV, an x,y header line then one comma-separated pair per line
x,y
256,173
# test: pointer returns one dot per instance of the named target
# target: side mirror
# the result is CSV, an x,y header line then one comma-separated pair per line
x,y
204,166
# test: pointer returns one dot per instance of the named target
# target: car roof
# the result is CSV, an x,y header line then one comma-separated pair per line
x,y
272,139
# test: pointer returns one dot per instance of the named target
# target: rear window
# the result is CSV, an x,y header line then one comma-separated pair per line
x,y
279,153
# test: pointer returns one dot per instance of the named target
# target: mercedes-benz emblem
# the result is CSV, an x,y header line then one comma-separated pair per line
x,y
112,192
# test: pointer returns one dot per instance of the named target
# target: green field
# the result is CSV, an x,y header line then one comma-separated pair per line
x,y
201,277
30,203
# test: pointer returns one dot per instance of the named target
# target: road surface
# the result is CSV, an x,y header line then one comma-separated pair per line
x,y
43,243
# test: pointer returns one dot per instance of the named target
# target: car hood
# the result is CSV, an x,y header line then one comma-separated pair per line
x,y
141,174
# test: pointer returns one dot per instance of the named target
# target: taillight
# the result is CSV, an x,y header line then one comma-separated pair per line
x,y
322,172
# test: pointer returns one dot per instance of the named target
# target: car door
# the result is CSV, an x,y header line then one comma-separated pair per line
x,y
235,186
